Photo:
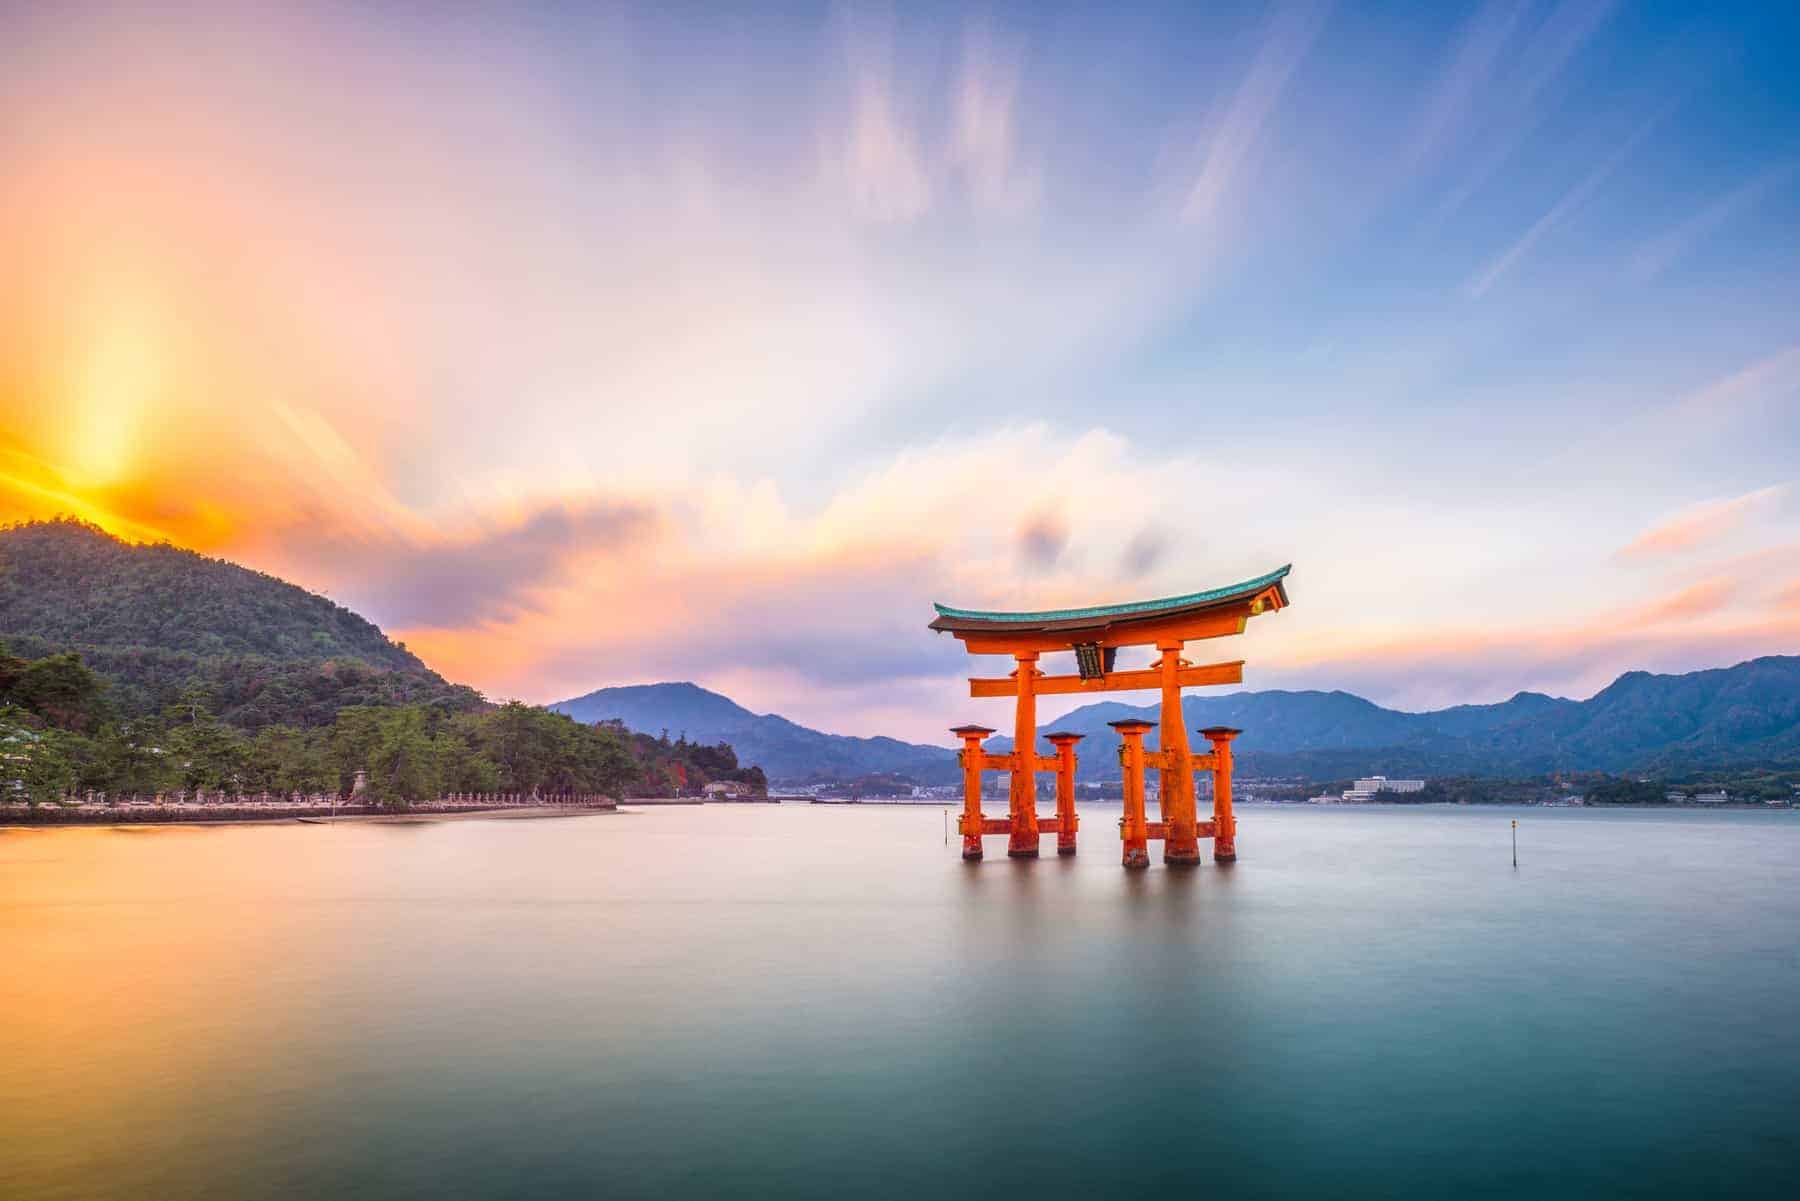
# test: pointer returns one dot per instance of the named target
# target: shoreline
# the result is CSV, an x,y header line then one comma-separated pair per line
x,y
305,815
130,817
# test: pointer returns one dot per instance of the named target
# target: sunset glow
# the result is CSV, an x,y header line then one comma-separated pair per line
x,y
589,350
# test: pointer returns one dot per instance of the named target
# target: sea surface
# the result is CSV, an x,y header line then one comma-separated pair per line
x,y
825,1002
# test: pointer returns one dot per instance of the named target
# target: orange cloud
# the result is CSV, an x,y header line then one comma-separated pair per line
x,y
1754,384
1700,599
1701,524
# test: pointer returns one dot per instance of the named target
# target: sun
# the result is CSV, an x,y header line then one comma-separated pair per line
x,y
114,387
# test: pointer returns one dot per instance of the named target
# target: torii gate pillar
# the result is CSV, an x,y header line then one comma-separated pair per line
x,y
1021,792
972,757
1066,821
1134,826
1224,821
1179,811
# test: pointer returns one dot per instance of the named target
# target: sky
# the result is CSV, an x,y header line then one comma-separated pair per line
x,y
582,345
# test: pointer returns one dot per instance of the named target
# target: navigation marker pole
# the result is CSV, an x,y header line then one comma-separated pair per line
x,y
1515,842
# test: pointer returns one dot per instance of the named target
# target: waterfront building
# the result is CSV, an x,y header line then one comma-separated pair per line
x,y
1711,798
1368,788
1383,784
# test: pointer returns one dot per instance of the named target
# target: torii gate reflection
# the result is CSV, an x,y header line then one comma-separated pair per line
x,y
1095,635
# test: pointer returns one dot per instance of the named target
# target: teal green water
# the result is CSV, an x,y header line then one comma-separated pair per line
x,y
825,1002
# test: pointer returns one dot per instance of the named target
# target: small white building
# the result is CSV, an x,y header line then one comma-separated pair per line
x,y
1383,784
1711,798
1369,787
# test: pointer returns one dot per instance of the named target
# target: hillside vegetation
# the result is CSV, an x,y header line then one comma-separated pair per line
x,y
145,669
71,583
159,622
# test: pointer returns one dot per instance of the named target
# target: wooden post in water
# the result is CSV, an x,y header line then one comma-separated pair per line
x,y
1134,827
971,756
1515,828
1066,821
1224,821
1022,790
1181,842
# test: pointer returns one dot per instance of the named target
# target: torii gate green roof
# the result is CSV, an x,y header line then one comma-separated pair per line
x,y
949,618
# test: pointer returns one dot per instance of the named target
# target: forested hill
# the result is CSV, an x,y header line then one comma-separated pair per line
x,y
73,584
159,622
137,670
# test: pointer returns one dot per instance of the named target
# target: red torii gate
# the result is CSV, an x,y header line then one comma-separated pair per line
x,y
1095,635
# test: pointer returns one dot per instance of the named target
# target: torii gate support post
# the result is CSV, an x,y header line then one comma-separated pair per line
x,y
1022,793
1224,823
970,822
1066,821
1134,828
1179,810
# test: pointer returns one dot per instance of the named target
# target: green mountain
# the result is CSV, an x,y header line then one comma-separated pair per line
x,y
160,622
163,625
784,750
1742,716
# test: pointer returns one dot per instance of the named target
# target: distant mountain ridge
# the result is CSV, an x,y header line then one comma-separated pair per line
x,y
1745,715
785,750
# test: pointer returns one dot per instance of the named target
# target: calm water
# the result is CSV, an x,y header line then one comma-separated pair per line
x,y
825,1002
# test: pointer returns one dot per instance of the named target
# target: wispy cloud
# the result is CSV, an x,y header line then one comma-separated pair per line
x,y
1696,600
1232,143
1494,105
493,572
1775,376
1698,526
1571,202
984,144
1655,256
1557,41
1466,76
880,158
